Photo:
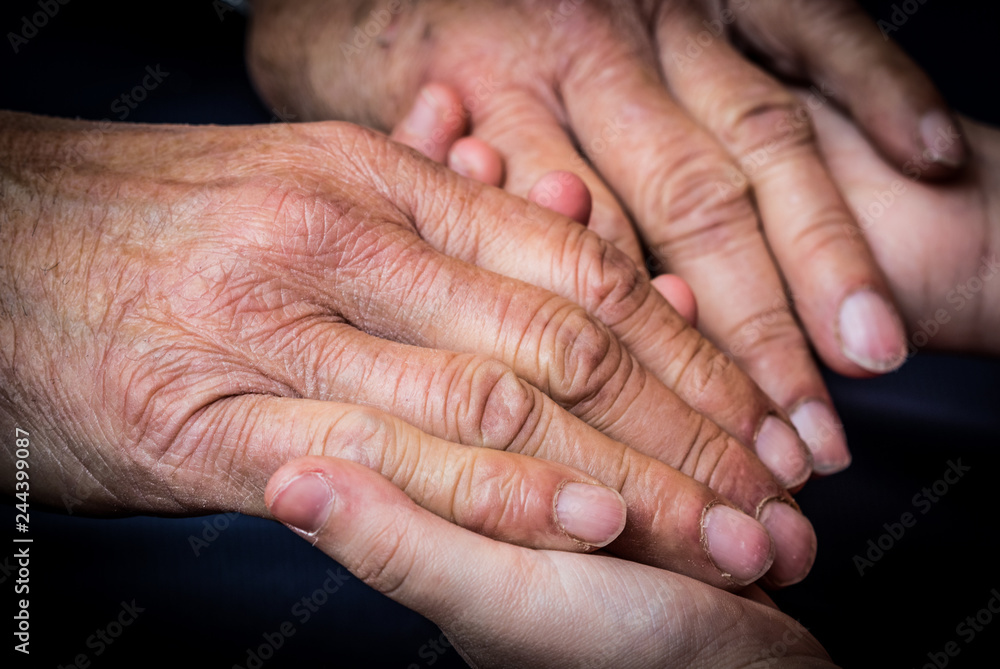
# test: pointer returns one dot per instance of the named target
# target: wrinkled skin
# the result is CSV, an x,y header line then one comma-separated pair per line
x,y
186,309
570,611
711,157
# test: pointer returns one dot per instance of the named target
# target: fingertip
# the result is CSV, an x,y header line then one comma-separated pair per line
x,y
301,497
794,543
564,193
680,296
475,159
433,123
592,514
942,140
739,546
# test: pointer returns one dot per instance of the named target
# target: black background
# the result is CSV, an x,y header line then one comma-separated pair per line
x,y
206,610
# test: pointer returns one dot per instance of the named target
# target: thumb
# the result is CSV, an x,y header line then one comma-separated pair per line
x,y
507,606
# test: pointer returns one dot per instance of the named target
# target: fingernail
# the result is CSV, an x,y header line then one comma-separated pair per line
x,y
737,544
304,502
781,451
870,332
460,165
944,145
824,435
423,118
592,514
794,543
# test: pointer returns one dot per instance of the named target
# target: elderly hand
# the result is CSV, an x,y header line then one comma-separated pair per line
x,y
676,127
186,309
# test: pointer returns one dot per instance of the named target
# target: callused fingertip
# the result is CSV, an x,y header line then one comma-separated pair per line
x,y
943,144
823,434
778,446
592,514
303,502
739,546
794,542
870,332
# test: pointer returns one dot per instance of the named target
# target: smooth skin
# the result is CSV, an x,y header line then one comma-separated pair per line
x,y
671,127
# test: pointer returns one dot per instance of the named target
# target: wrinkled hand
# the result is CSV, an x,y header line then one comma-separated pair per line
x,y
504,606
543,81
186,309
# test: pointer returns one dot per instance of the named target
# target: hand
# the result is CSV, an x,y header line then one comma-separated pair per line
x,y
938,242
189,308
542,79
504,606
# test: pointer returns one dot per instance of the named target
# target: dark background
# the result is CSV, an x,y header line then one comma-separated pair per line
x,y
209,609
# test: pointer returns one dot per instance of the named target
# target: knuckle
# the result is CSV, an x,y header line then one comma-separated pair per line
x,y
706,450
705,368
497,497
707,207
364,435
500,410
611,285
763,126
828,228
590,355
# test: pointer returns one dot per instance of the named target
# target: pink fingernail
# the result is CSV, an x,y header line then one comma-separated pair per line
x,y
304,502
737,544
423,118
824,435
592,514
782,452
944,145
871,333
794,543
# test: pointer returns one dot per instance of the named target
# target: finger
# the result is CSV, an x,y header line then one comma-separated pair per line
x,y
566,194
678,293
557,346
480,402
840,293
436,120
852,58
508,496
475,159
464,583
718,250
533,144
